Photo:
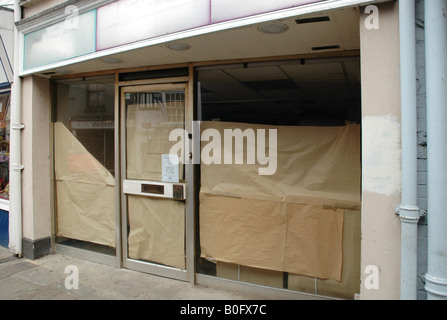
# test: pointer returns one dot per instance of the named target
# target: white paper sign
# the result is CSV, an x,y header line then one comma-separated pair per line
x,y
170,168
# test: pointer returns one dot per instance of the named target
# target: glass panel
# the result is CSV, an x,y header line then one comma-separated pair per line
x,y
156,227
84,147
151,116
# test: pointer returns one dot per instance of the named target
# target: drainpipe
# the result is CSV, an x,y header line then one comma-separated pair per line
x,y
409,211
16,167
436,66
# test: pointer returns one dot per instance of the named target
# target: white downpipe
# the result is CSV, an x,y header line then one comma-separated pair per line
x,y
15,214
409,211
436,66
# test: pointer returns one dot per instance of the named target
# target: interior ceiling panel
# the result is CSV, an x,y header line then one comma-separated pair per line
x,y
258,74
324,72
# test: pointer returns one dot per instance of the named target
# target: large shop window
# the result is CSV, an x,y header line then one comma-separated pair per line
x,y
298,228
5,103
84,162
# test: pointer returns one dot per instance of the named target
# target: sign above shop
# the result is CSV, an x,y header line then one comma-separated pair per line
x,y
224,10
128,21
60,41
124,22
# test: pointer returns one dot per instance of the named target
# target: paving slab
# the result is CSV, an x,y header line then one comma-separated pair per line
x,y
16,289
40,275
44,279
15,267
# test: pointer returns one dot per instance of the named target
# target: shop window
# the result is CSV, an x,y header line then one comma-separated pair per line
x,y
298,228
5,104
84,161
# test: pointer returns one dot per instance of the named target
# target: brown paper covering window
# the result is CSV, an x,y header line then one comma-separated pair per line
x,y
157,231
85,192
291,221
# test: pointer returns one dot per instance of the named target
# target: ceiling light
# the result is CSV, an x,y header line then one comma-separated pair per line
x,y
273,28
178,46
111,60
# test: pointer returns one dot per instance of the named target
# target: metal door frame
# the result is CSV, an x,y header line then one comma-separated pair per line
x,y
143,266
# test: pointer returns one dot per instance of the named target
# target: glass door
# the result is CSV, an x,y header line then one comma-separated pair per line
x,y
153,180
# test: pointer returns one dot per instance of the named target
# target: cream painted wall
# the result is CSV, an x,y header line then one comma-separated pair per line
x,y
36,202
381,154
38,6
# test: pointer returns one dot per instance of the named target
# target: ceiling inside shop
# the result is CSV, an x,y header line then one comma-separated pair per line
x,y
318,92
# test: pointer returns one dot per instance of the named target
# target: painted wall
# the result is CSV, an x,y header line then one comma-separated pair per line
x,y
39,6
36,190
381,155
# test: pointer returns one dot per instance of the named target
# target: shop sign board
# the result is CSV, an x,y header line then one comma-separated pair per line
x,y
225,10
128,21
60,41
124,22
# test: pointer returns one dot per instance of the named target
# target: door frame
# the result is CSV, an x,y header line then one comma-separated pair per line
x,y
181,83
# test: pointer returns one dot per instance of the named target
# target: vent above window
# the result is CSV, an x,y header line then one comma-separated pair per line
x,y
326,48
312,20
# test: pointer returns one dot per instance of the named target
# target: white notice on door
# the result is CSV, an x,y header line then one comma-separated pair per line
x,y
170,168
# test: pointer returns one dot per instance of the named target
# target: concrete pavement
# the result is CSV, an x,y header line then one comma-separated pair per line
x,y
44,279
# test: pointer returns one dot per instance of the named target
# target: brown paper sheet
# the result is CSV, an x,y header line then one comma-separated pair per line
x,y
148,134
85,192
243,231
291,221
157,231
288,237
315,165
350,281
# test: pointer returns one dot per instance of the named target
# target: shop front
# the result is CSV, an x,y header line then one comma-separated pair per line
x,y
213,214
221,150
